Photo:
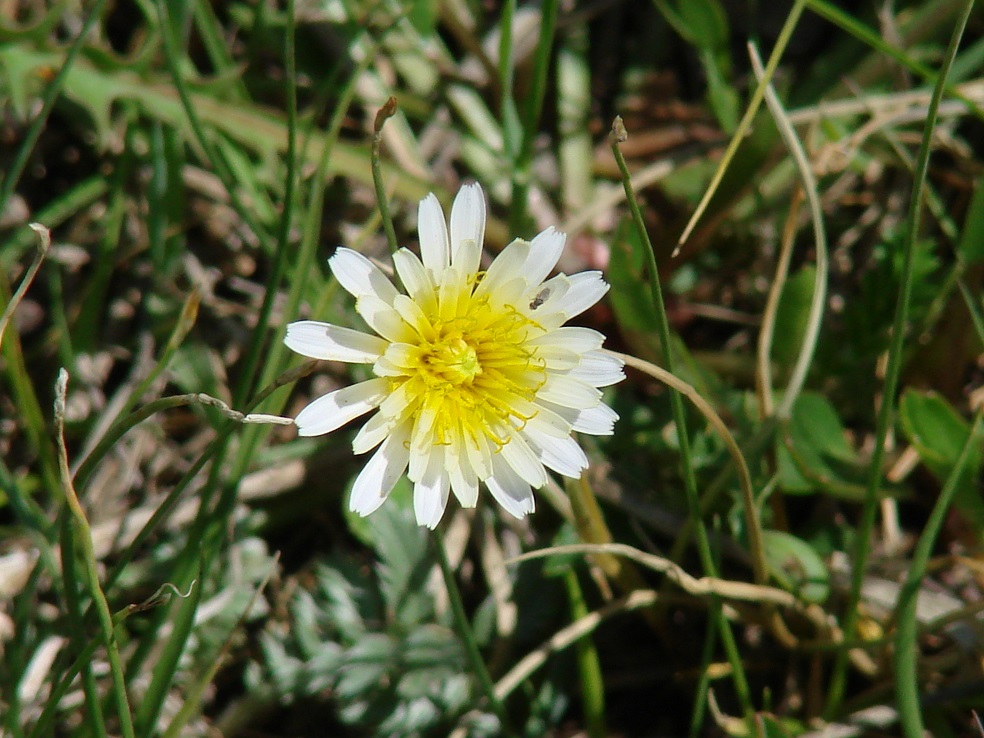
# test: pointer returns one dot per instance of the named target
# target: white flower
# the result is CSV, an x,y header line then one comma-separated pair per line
x,y
476,379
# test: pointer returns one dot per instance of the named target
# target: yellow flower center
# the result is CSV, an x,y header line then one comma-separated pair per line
x,y
453,360
471,375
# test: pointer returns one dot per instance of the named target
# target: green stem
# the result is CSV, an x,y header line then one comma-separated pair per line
x,y
838,679
531,118
588,665
382,115
746,122
618,135
466,632
91,566
906,643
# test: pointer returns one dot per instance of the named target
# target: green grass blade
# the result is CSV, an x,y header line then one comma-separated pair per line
x,y
893,371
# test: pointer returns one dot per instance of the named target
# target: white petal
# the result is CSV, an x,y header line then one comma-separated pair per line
x,y
339,407
545,251
430,494
563,455
464,483
467,225
509,490
557,358
549,422
508,265
571,337
370,435
523,460
383,319
569,392
433,232
586,288
596,421
359,276
416,279
380,474
599,369
326,341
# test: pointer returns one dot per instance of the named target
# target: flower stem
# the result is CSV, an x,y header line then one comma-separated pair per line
x,y
382,115
617,136
467,634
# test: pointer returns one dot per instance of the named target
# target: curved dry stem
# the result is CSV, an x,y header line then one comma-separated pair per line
x,y
819,297
759,567
763,373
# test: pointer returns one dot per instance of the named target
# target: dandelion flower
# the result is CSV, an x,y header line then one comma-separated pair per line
x,y
476,378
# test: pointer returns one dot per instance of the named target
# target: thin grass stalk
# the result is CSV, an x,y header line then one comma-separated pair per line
x,y
254,352
838,680
818,299
569,634
849,23
33,133
467,634
382,115
906,634
976,316
703,684
25,399
763,357
297,281
44,242
618,136
73,605
746,121
91,565
677,385
531,117
42,727
507,104
173,61
588,664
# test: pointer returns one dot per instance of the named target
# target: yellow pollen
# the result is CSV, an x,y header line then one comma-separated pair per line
x,y
455,361
474,375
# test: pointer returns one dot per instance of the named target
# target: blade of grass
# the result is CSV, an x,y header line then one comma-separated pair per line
x,y
906,635
853,26
588,664
518,213
468,634
617,136
44,242
746,121
91,565
73,582
819,298
297,281
16,168
893,370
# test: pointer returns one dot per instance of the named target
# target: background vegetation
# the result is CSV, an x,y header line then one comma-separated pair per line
x,y
168,570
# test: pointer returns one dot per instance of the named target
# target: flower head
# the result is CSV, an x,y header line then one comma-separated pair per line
x,y
476,377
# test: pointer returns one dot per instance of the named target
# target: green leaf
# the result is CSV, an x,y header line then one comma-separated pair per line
x,y
813,453
797,567
971,244
793,315
938,433
423,16
630,295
